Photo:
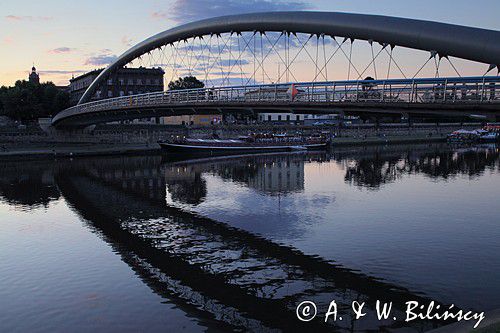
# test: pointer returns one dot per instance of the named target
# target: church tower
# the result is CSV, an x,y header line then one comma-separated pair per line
x,y
34,77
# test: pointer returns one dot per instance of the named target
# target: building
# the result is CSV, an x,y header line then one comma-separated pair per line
x,y
125,81
307,119
322,119
34,77
193,120
280,117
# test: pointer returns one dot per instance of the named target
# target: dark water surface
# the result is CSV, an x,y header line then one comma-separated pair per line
x,y
150,243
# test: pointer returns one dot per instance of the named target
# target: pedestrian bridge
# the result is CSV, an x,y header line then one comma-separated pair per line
x,y
306,62
453,96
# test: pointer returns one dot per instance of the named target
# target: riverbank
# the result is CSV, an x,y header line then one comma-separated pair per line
x,y
34,151
133,139
382,139
64,150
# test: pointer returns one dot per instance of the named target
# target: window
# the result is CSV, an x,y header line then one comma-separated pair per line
x,y
148,82
139,81
110,93
130,82
157,82
122,93
110,82
130,92
98,94
121,81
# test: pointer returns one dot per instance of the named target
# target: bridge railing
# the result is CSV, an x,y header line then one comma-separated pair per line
x,y
472,90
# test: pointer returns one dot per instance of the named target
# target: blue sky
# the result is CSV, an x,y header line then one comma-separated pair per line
x,y
70,37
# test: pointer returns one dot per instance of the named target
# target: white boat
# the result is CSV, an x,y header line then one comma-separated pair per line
x,y
489,137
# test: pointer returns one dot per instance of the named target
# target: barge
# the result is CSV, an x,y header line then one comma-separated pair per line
x,y
245,145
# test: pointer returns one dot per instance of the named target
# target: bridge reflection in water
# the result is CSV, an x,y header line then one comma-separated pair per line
x,y
219,273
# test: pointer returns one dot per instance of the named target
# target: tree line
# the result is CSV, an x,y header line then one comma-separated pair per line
x,y
27,101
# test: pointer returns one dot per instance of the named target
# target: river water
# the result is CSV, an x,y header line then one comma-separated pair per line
x,y
161,243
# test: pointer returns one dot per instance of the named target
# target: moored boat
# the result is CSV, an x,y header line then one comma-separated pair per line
x,y
486,134
492,134
242,145
463,136
489,137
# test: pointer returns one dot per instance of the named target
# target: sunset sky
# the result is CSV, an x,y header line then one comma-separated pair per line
x,y
63,38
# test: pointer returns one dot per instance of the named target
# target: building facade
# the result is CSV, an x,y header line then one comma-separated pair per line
x,y
126,81
280,117
193,120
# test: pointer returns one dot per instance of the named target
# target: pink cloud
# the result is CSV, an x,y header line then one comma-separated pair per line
x,y
60,72
60,50
27,18
100,59
8,40
159,15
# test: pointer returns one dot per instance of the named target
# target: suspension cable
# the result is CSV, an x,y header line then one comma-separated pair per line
x,y
453,66
297,54
396,63
334,53
373,60
316,61
324,58
350,57
437,63
389,66
273,48
418,72
239,56
262,57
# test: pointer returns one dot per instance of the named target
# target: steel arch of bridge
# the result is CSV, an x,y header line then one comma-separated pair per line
x,y
445,40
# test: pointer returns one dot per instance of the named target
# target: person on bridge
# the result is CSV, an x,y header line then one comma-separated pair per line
x,y
292,91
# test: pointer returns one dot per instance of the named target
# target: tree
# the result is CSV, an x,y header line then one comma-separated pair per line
x,y
3,92
29,101
188,82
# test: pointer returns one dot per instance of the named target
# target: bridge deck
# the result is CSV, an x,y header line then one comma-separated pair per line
x,y
433,95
